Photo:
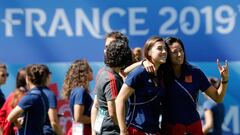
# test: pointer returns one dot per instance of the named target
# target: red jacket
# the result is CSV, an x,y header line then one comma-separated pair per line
x,y
8,128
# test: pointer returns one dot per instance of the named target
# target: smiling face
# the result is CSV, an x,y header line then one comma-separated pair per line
x,y
158,53
176,53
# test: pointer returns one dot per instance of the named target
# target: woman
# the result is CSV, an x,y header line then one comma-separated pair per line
x,y
3,78
34,105
145,92
11,102
76,89
51,126
184,83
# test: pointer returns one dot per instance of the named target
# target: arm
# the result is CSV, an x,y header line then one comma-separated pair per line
x,y
3,115
4,110
78,114
122,97
52,113
208,121
94,112
128,69
218,94
112,111
147,64
14,114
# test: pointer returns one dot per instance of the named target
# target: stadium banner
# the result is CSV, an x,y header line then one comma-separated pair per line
x,y
50,31
57,33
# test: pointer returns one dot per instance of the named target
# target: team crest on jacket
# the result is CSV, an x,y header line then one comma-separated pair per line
x,y
188,79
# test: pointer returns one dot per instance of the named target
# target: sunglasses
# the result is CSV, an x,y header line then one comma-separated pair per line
x,y
5,75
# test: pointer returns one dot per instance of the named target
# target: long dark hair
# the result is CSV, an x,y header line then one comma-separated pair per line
x,y
169,75
21,89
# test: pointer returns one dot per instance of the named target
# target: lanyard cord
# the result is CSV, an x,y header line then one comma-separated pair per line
x,y
185,91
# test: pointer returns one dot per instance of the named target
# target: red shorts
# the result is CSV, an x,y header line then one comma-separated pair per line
x,y
134,131
180,129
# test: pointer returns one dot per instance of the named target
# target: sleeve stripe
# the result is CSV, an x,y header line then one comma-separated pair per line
x,y
99,72
113,85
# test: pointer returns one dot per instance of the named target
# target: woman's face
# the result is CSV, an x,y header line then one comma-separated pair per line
x,y
176,53
3,76
90,75
158,53
28,82
49,79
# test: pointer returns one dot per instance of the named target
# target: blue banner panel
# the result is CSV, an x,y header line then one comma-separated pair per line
x,y
50,31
